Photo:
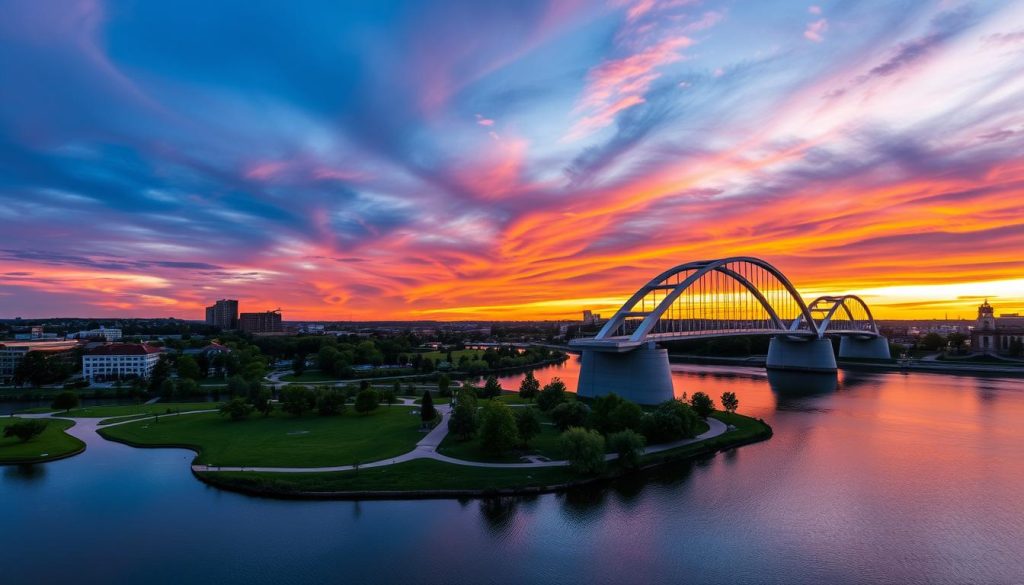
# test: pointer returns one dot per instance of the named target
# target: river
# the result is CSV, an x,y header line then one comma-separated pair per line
x,y
880,478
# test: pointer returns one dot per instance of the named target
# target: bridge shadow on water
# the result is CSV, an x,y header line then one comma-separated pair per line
x,y
797,390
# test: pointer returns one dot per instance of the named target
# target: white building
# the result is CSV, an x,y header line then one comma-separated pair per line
x,y
112,334
118,361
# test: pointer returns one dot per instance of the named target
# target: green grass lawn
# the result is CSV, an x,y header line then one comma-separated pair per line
x,y
421,474
52,444
281,440
545,444
36,410
134,409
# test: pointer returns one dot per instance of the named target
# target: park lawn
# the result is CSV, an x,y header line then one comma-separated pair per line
x,y
37,410
513,398
420,474
134,409
53,443
310,377
545,444
280,440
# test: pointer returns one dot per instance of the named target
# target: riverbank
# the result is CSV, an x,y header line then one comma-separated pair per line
x,y
944,367
427,478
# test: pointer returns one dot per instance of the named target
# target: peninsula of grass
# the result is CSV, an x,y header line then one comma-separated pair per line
x,y
279,440
125,410
425,478
52,444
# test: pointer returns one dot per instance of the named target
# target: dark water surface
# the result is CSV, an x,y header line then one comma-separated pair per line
x,y
888,478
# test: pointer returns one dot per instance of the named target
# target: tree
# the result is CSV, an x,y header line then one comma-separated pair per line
x,y
464,421
167,389
330,402
932,341
65,401
672,420
702,404
572,413
25,430
498,432
188,367
161,372
956,340
236,408
629,445
237,386
611,413
297,400
528,424
551,395
529,387
729,402
299,364
444,385
427,411
492,387
38,369
1016,347
367,401
186,387
584,449
390,396
262,402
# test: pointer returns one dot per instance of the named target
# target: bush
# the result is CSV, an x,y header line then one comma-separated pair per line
x,y
584,449
629,445
671,421
498,431
611,414
297,400
702,404
330,402
236,408
528,424
25,430
367,401
569,414
552,395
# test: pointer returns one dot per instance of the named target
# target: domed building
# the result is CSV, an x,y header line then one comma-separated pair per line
x,y
1003,335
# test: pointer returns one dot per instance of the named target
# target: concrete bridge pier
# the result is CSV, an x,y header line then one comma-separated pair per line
x,y
872,348
800,354
641,375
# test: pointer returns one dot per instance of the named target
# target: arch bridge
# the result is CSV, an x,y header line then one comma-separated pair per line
x,y
721,298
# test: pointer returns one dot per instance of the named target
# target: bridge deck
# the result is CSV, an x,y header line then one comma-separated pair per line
x,y
623,343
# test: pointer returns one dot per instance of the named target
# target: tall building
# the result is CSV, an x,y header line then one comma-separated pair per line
x,y
998,335
267,322
223,314
118,361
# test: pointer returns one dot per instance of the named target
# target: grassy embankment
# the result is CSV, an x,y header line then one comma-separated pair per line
x,y
280,440
52,444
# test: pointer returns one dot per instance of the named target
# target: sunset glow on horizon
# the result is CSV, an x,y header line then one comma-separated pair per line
x,y
523,160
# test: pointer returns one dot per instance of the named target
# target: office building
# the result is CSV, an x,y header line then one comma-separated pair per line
x,y
119,361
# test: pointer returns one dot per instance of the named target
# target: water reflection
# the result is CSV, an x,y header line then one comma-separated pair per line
x,y
25,473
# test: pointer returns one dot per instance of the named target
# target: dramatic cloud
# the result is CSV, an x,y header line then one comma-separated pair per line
x,y
506,159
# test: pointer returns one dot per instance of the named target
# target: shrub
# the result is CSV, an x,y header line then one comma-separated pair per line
x,y
702,404
629,445
552,395
25,430
498,431
236,408
584,449
671,421
367,400
572,413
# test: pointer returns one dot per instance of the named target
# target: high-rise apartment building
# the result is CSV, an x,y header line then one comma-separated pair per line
x,y
223,314
268,322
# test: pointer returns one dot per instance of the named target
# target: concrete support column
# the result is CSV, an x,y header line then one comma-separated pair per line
x,y
798,354
641,375
875,348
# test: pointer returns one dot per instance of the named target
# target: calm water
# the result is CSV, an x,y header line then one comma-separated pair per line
x,y
888,478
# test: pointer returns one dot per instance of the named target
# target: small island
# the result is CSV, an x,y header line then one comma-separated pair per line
x,y
36,440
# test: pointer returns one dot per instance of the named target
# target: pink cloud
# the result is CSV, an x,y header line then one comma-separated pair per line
x,y
265,170
814,9
816,30
484,121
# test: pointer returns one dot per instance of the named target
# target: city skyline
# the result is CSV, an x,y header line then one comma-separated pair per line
x,y
527,161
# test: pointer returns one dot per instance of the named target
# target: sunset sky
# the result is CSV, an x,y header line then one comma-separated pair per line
x,y
462,160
